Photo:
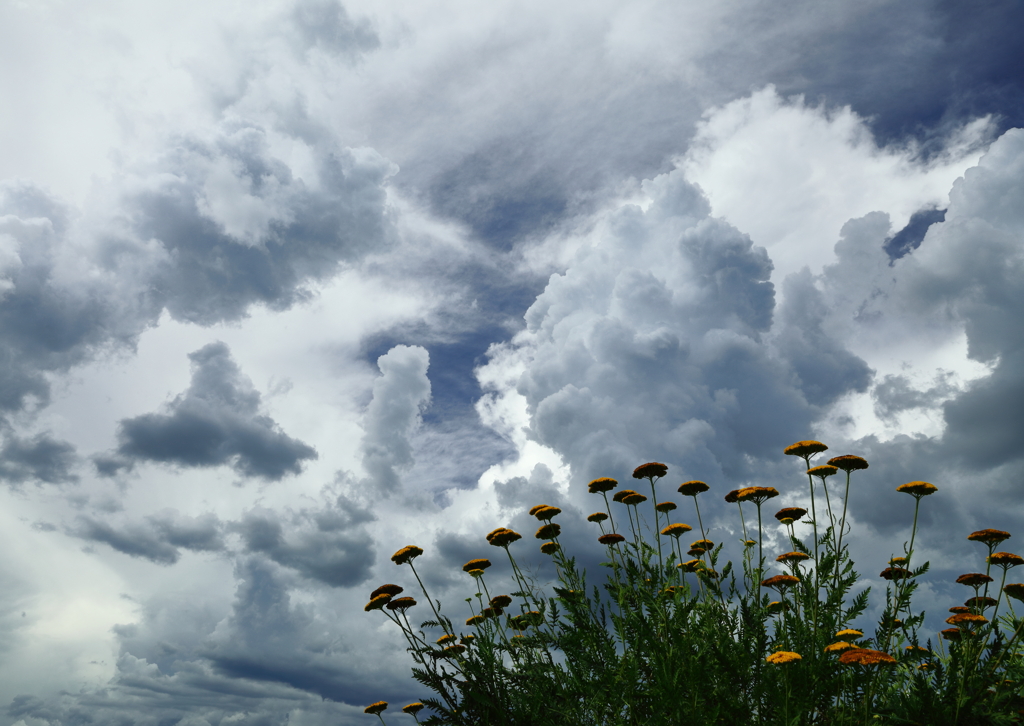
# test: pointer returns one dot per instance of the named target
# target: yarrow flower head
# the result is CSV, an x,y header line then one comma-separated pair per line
x,y
692,488
780,582
376,708
604,484
597,517
402,603
966,619
622,494
390,589
865,656
849,634
406,554
634,499
777,606
790,513
413,708
733,496
1015,590
959,609
917,489
792,557
665,506
502,537
805,449
479,564
981,602
758,495
895,573
848,462
704,544
501,601
549,531
536,508
549,548
610,539
676,530
950,633
974,579
823,471
377,602
1005,560
988,536
839,646
783,656
650,470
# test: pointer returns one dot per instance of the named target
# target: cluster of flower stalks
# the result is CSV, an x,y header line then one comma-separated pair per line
x,y
693,643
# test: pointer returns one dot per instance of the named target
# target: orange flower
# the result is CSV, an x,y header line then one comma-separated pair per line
x,y
548,531
549,548
377,602
634,499
849,634
402,603
966,618
545,514
406,554
792,557
780,582
597,517
604,484
981,602
376,708
677,529
839,647
959,609
1005,560
413,708
1014,590
610,539
783,656
917,489
650,470
823,471
950,633
894,573
790,513
777,606
536,508
733,496
988,536
665,506
391,590
622,494
758,495
692,488
848,462
973,579
503,538
501,601
865,656
476,565
704,544
805,449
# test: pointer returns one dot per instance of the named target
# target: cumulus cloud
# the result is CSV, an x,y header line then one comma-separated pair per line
x,y
160,539
40,458
216,422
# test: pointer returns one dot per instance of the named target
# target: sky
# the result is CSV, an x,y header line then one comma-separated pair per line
x,y
288,285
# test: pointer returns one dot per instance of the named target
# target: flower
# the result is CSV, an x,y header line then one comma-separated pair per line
x,y
597,517
406,554
973,579
677,529
988,536
692,488
704,544
849,634
549,548
390,589
445,638
547,513
917,489
503,537
1015,590
790,513
825,470
665,506
839,646
897,561
895,573
848,462
783,656
692,565
918,649
536,508
622,494
965,618
604,484
378,602
413,708
468,639
475,620
792,557
496,532
805,449
402,603
650,470
634,499
548,531
491,612
749,543
376,708
696,551
777,606
1005,560
476,565
476,573
950,633
865,656
758,495
959,609
733,496
610,539
780,581
501,601
981,602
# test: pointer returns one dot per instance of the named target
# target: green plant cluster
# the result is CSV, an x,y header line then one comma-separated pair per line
x,y
689,644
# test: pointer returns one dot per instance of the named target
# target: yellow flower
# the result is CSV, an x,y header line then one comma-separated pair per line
x,y
776,606
988,536
546,513
634,499
918,649
950,633
389,589
780,582
792,557
757,495
413,708
604,484
536,508
479,564
597,517
733,496
704,544
406,554
491,612
894,573
665,506
823,471
973,579
503,537
501,601
805,449
865,656
692,565
650,470
848,462
966,618
783,656
1005,560
548,531
378,602
1015,590
453,650
444,639
749,543
475,620
676,530
468,639
917,489
402,603
549,548
959,609
376,708
849,634
981,602
692,488
790,513
839,646
610,539
476,573
622,494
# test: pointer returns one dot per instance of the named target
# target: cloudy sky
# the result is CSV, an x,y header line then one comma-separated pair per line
x,y
286,286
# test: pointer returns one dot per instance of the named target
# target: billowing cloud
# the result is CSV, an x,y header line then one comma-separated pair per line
x,y
216,422
160,539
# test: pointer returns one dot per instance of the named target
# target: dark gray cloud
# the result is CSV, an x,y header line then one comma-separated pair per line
x,y
909,238
41,458
160,539
895,394
216,422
